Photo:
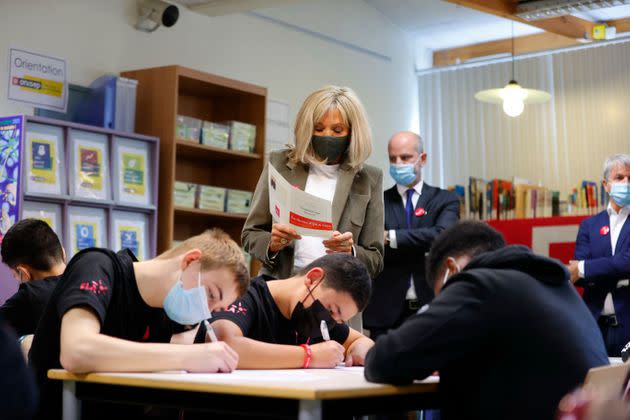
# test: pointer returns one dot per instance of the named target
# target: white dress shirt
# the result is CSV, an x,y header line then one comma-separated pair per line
x,y
402,190
616,223
321,182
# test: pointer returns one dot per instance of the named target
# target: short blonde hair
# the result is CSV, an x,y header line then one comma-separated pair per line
x,y
218,250
315,107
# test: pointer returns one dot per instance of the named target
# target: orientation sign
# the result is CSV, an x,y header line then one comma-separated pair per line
x,y
38,80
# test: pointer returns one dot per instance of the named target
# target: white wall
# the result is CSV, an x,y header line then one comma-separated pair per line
x,y
291,50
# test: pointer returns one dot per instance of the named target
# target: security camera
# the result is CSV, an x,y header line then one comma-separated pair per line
x,y
153,13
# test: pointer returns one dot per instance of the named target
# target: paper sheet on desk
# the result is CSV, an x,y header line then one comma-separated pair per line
x,y
296,375
350,368
276,376
307,214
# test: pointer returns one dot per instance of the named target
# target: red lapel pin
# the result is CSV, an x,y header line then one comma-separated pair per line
x,y
604,230
420,212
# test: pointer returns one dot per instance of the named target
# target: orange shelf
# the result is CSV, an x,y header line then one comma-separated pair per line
x,y
194,150
210,213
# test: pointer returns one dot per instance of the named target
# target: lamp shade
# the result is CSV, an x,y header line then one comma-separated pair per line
x,y
513,97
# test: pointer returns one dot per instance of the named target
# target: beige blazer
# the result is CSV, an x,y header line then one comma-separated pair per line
x,y
357,208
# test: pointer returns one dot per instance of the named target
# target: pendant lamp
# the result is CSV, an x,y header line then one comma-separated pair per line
x,y
513,97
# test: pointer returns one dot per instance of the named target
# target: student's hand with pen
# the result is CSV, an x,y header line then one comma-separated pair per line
x,y
282,236
355,356
211,357
327,354
339,242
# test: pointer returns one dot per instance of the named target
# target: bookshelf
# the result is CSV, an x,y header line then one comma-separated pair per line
x,y
501,199
189,150
165,92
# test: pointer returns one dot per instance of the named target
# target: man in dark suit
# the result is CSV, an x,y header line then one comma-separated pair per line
x,y
602,258
415,213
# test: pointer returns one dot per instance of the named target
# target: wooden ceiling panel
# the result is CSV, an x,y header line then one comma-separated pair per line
x,y
561,31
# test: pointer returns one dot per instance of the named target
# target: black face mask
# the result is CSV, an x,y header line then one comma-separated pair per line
x,y
329,147
306,321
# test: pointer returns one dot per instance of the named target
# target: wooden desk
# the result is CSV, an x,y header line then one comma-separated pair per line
x,y
305,394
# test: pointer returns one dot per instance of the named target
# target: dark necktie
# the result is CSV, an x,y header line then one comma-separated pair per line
x,y
409,207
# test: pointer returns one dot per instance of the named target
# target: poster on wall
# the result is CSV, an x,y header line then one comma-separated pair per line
x,y
38,80
90,163
44,159
47,212
10,139
86,228
133,181
130,231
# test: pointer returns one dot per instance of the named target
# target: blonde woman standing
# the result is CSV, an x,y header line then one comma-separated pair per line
x,y
332,141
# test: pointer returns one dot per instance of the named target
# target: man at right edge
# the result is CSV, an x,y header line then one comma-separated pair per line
x,y
602,258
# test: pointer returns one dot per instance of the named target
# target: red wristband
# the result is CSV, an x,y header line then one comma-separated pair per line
x,y
308,355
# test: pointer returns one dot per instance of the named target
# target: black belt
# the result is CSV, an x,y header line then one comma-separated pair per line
x,y
607,320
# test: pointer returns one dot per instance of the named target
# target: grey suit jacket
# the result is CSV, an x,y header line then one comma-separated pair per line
x,y
357,208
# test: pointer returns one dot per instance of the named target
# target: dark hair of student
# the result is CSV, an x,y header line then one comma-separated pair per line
x,y
31,242
468,237
344,273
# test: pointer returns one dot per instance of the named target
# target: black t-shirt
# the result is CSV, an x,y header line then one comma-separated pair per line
x,y
259,318
104,282
24,309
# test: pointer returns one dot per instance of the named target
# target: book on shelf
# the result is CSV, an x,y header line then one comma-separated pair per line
x,y
476,198
502,199
518,198
460,191
588,198
555,203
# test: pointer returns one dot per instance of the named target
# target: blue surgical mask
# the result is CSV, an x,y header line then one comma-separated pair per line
x,y
187,306
620,193
403,173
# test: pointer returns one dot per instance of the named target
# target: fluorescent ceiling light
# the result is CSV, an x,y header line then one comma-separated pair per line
x,y
544,9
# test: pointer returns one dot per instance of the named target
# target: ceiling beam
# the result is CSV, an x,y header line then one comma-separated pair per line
x,y
569,26
522,45
622,25
504,8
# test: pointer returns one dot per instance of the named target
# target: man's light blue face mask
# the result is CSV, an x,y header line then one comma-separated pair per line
x,y
404,173
620,193
187,306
